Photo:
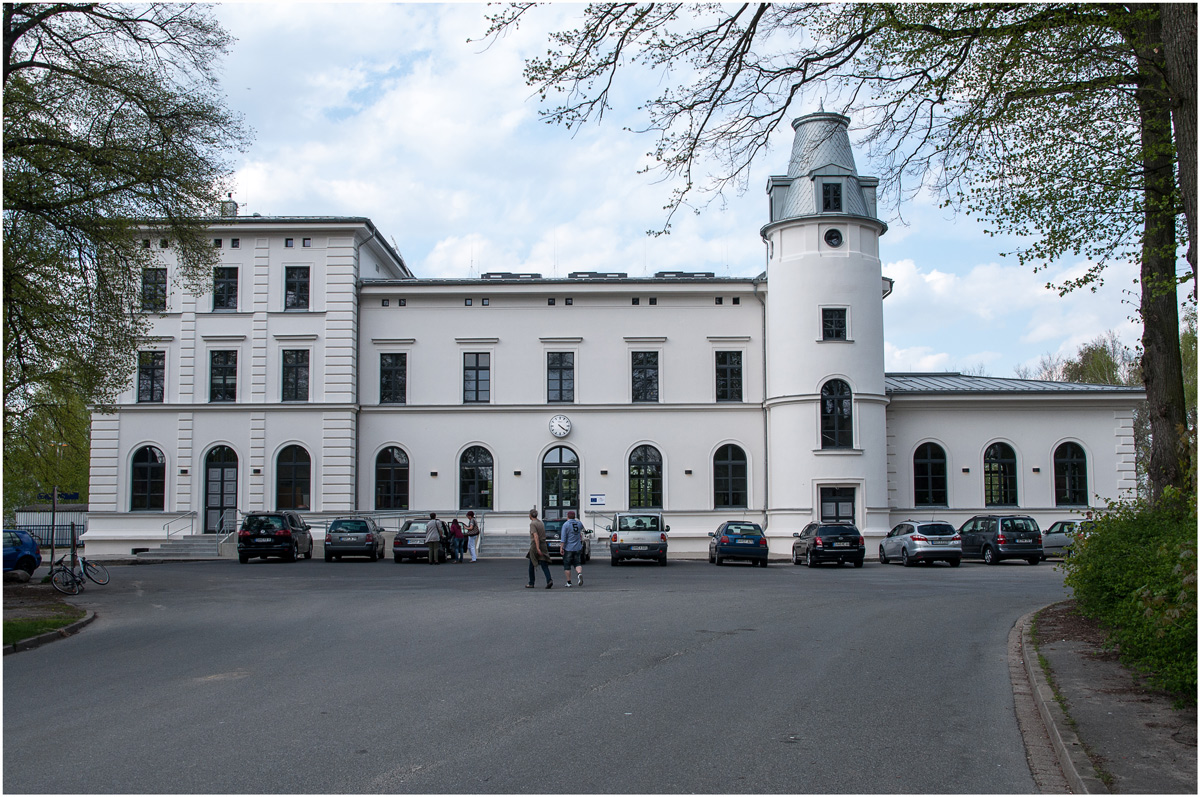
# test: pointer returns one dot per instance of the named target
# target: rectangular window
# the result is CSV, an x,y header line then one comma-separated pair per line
x,y
154,289
477,377
295,288
837,504
287,242
225,288
645,376
222,385
295,375
560,377
152,374
729,376
216,243
306,242
831,197
833,323
393,378
235,243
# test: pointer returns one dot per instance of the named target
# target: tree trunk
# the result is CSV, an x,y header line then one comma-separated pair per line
x,y
1162,366
1179,47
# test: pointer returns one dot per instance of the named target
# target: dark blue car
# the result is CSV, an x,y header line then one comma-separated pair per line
x,y
738,539
21,551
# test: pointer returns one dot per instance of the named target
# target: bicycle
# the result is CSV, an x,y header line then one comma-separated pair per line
x,y
70,581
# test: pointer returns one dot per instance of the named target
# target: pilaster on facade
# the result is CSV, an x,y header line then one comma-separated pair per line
x,y
341,321
185,440
1126,451
893,486
258,460
105,462
339,451
187,359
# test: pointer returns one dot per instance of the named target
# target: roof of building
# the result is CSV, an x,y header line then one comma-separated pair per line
x,y
575,277
955,383
821,148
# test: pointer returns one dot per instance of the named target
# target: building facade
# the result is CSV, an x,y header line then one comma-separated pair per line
x,y
321,375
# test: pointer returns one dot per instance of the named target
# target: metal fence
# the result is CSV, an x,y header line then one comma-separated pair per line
x,y
62,533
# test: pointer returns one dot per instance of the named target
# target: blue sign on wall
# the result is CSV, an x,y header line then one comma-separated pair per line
x,y
61,497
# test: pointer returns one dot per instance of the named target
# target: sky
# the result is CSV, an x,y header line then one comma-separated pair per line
x,y
387,111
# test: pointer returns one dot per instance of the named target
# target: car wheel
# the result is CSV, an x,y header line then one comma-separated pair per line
x,y
808,558
955,562
26,563
905,559
398,558
718,560
858,562
712,559
293,553
328,557
308,554
795,559
883,560
373,555
243,558
765,563
614,561
662,561
1033,560
989,557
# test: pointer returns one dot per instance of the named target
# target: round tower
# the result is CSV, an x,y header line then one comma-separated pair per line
x,y
825,400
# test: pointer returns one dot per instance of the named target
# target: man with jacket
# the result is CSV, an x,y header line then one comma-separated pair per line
x,y
435,533
572,548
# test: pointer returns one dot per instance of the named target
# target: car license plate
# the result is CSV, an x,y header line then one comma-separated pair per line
x,y
841,545
1025,540
939,542
744,542
347,539
637,548
416,541
264,539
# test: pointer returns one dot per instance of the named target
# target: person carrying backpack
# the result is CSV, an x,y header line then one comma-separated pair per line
x,y
572,548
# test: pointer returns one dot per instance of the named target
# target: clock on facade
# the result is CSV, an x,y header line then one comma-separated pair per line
x,y
560,426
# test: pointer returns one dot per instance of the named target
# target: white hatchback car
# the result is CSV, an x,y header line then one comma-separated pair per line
x,y
926,541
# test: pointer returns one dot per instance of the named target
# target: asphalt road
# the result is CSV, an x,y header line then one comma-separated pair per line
x,y
378,677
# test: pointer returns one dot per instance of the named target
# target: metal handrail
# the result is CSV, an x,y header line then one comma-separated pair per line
x,y
188,516
222,524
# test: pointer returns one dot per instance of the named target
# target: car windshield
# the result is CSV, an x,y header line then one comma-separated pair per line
x,y
752,529
937,530
638,523
414,525
553,527
263,523
349,526
1018,525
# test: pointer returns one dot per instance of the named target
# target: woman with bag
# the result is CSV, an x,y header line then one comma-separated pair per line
x,y
472,530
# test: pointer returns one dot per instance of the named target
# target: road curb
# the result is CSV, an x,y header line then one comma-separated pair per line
x,y
49,636
1076,766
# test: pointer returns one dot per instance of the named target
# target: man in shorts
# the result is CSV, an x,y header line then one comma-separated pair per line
x,y
572,548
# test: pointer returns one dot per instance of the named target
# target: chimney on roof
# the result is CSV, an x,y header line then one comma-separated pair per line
x,y
229,208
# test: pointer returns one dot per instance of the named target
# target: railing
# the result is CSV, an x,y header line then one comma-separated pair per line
x,y
190,517
226,526
63,533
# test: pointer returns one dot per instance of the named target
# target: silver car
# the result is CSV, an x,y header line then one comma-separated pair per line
x,y
1057,540
926,541
353,536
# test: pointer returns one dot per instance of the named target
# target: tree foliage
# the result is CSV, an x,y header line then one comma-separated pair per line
x,y
111,118
1051,121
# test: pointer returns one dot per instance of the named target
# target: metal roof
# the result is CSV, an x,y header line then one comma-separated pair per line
x,y
955,383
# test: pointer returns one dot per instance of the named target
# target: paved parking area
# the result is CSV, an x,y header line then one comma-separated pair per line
x,y
377,677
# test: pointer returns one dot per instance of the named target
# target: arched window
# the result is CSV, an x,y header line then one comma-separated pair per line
x,y
220,490
391,479
729,478
475,479
560,483
645,478
929,475
999,475
293,479
149,480
1070,475
837,420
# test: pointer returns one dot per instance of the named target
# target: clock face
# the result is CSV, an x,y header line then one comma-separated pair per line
x,y
560,426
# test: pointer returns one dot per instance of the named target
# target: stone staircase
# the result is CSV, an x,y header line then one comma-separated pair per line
x,y
189,546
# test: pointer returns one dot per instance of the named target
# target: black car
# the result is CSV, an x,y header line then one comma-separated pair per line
x,y
554,540
994,538
829,542
282,534
353,536
738,539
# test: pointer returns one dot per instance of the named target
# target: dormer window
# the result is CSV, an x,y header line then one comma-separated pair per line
x,y
831,197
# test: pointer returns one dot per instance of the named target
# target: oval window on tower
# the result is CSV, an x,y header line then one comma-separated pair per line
x,y
833,238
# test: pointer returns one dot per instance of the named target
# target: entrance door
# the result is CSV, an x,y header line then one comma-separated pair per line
x,y
220,490
560,483
837,504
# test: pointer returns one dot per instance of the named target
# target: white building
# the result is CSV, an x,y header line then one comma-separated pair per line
x,y
321,375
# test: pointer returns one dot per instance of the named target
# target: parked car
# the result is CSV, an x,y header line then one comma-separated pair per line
x,y
1057,540
738,539
638,535
353,536
409,542
282,534
554,540
994,538
922,541
21,551
829,542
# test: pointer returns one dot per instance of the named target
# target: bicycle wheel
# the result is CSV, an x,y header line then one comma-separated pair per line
x,y
65,581
97,573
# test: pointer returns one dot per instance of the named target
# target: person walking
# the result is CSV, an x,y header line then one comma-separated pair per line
x,y
435,532
472,531
538,552
457,541
572,547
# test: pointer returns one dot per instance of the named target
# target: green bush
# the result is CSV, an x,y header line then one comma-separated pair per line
x,y
1135,572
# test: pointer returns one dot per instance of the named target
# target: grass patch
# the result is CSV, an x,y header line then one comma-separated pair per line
x,y
17,630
